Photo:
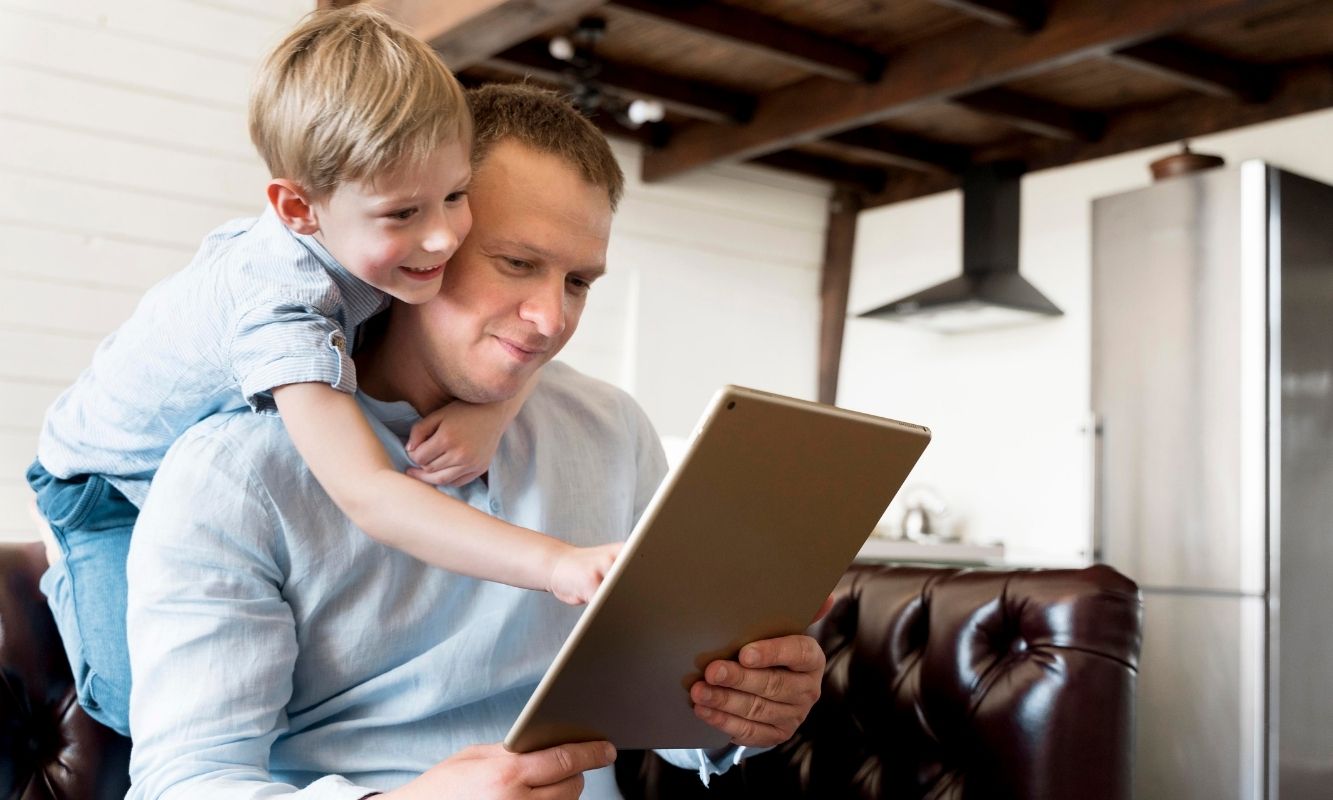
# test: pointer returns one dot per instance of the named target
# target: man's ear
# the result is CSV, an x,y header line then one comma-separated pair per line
x,y
293,206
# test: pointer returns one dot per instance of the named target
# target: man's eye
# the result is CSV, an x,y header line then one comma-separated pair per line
x,y
579,285
403,214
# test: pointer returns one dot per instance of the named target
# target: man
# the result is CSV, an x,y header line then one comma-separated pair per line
x,y
274,646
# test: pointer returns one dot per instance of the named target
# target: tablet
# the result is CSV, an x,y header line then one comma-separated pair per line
x,y
744,540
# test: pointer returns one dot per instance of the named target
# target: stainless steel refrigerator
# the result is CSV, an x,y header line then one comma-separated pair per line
x,y
1212,387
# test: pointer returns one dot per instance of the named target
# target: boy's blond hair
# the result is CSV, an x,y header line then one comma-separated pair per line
x,y
547,123
349,95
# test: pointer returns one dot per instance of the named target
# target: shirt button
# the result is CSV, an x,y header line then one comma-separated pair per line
x,y
338,342
495,506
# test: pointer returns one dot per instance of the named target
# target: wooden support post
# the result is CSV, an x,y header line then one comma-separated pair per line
x,y
836,281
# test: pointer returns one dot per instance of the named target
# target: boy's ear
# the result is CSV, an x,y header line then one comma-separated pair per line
x,y
293,206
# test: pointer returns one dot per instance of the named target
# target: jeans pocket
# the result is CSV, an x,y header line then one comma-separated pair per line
x,y
67,504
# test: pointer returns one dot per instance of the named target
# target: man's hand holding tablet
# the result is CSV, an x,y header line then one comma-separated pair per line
x,y
761,699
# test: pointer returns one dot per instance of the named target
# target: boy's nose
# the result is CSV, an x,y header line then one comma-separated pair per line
x,y
442,237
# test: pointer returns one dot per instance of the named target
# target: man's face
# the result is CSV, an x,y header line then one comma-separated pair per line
x,y
513,293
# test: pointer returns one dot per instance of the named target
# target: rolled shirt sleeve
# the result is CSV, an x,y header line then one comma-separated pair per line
x,y
281,342
213,642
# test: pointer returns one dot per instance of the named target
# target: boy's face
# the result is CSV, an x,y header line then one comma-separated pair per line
x,y
397,232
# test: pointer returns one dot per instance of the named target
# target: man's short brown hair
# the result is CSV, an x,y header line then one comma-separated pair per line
x,y
349,95
540,119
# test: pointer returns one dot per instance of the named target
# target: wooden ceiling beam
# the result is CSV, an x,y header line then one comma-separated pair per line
x,y
1034,115
1019,15
979,57
901,150
867,180
902,185
650,135
1297,90
687,98
466,32
1198,70
822,55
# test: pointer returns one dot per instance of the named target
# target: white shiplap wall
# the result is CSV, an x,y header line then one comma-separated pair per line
x,y
123,141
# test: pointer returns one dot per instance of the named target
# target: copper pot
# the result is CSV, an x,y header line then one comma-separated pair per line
x,y
1183,163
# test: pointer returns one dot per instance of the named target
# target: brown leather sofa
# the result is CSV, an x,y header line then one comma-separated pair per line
x,y
941,683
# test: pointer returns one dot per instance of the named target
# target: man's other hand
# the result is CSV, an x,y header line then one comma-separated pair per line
x,y
761,699
489,772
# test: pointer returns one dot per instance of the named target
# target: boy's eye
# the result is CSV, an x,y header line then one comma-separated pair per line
x,y
518,263
403,214
455,197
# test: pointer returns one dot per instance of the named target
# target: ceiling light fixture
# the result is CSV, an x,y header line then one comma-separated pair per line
x,y
583,67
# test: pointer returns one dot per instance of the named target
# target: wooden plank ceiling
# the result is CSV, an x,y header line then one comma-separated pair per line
x,y
894,99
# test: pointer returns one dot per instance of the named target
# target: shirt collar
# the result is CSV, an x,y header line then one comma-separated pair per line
x,y
398,416
361,301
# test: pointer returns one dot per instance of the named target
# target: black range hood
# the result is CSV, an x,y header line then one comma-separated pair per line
x,y
990,293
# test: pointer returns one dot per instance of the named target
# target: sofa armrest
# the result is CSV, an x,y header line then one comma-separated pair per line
x,y
49,748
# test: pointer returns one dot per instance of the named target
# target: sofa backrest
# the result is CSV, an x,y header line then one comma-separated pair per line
x,y
953,684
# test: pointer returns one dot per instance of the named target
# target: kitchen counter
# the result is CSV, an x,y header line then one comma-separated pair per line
x,y
879,549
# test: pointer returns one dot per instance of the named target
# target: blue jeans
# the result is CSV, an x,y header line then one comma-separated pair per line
x,y
92,522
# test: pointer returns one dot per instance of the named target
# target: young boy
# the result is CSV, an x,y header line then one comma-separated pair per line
x,y
367,137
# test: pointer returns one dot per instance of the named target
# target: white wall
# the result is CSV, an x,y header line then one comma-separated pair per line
x,y
713,279
123,141
1008,407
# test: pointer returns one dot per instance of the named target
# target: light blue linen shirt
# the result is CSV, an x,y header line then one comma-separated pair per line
x,y
279,651
258,307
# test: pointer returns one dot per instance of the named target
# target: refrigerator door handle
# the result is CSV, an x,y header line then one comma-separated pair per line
x,y
1092,438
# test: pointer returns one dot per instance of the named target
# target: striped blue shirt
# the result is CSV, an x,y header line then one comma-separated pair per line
x,y
258,307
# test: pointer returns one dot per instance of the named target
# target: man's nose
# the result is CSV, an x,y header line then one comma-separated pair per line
x,y
545,306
